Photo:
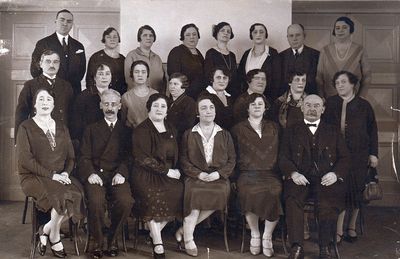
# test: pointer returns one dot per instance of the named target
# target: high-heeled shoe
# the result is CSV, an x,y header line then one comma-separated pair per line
x,y
157,255
57,253
191,251
268,249
350,239
255,245
179,239
40,246
339,238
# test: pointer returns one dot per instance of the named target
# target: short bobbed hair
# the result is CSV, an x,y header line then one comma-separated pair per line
x,y
253,27
139,62
182,78
218,27
145,27
187,26
155,97
345,19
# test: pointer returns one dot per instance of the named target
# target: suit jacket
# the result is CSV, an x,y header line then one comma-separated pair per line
x,y
307,62
272,68
295,151
193,160
72,69
62,91
104,152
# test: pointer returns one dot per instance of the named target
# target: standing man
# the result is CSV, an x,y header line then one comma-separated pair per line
x,y
49,66
314,160
299,57
71,52
103,170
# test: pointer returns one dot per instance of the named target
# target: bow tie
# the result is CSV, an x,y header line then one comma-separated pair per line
x,y
311,124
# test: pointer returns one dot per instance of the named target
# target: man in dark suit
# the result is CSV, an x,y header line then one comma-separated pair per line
x,y
59,88
299,57
103,170
314,160
71,52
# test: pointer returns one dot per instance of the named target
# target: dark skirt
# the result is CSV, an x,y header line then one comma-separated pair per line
x,y
356,181
200,195
260,193
157,196
48,194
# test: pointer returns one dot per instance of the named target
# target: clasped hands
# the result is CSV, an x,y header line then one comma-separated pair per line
x,y
62,178
96,179
209,177
174,173
326,180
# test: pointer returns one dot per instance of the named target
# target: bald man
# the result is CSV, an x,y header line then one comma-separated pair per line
x,y
314,160
299,57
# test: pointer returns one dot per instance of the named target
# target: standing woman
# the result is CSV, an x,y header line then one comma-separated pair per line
x,y
109,55
259,183
356,119
221,56
207,159
264,57
146,36
45,161
182,112
133,110
220,78
343,54
155,176
188,60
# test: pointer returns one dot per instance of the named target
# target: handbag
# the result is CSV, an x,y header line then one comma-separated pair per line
x,y
373,190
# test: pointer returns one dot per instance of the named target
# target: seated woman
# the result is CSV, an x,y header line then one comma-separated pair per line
x,y
182,113
45,160
259,183
286,110
86,108
207,159
133,110
146,36
221,56
110,56
222,100
155,177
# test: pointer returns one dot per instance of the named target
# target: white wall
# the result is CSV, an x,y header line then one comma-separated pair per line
x,y
168,16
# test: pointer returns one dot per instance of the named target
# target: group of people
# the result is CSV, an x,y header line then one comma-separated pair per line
x,y
133,142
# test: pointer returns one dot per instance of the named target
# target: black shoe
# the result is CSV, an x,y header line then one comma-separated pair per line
x,y
41,248
296,252
324,252
96,253
156,255
112,250
58,253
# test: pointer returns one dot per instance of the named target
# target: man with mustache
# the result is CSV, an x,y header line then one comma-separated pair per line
x,y
103,171
62,90
71,52
314,161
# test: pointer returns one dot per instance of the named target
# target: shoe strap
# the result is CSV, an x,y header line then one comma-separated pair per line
x,y
55,243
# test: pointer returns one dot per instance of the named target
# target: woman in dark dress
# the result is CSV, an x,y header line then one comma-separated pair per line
x,y
259,184
221,56
155,177
222,100
207,159
182,113
45,161
188,60
110,56
355,117
286,110
264,57
86,108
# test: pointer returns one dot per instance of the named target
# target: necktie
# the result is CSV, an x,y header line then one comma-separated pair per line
x,y
296,53
311,125
111,126
64,45
51,81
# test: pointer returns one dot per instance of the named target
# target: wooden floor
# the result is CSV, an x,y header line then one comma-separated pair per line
x,y
380,240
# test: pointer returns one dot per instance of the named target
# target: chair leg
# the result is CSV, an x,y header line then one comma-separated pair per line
x,y
283,235
25,210
362,222
225,230
135,232
123,237
75,235
34,238
243,234
86,249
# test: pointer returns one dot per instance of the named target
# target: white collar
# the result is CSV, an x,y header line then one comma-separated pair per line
x,y
211,90
315,122
60,37
51,77
109,122
299,50
197,129
265,53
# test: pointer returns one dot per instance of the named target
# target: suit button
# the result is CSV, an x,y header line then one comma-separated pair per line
x,y
101,170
